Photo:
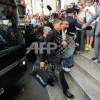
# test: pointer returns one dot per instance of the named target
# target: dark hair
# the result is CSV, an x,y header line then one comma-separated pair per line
x,y
64,19
56,20
45,18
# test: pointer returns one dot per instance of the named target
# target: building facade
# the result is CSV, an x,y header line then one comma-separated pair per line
x,y
29,5
40,6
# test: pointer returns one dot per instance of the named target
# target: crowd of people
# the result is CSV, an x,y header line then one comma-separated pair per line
x,y
85,12
79,21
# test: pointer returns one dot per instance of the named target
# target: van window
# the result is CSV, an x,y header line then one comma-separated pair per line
x,y
8,34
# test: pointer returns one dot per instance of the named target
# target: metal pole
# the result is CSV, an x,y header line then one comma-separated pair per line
x,y
42,6
56,5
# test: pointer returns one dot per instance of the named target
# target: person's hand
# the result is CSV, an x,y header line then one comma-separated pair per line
x,y
42,64
93,27
77,44
64,43
84,27
86,11
89,11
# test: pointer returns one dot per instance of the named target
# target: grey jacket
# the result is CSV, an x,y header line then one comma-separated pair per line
x,y
97,14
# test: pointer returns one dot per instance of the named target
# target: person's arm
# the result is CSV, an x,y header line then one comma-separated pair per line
x,y
80,19
81,26
91,13
77,24
92,19
42,56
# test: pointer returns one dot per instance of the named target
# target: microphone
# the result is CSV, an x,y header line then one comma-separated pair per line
x,y
48,7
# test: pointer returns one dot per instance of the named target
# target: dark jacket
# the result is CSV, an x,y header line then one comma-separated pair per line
x,y
42,39
50,38
73,23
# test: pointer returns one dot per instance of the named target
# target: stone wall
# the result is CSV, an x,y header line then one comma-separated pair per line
x,y
53,3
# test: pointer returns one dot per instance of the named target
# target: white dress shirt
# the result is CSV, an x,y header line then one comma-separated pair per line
x,y
64,35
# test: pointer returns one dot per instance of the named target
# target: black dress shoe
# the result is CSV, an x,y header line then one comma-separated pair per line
x,y
51,84
94,58
98,61
68,94
71,66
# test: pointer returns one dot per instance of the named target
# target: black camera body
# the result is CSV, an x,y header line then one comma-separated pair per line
x,y
75,7
54,15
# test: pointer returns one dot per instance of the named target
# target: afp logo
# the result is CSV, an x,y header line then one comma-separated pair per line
x,y
41,46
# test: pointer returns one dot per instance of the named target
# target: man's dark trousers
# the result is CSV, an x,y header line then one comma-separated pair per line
x,y
56,61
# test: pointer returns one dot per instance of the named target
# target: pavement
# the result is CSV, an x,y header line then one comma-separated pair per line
x,y
27,88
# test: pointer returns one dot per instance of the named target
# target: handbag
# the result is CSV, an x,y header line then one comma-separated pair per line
x,y
42,75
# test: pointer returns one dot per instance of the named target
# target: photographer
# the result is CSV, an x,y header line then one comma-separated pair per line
x,y
90,11
81,33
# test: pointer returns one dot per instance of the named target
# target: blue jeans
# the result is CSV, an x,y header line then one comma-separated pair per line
x,y
67,61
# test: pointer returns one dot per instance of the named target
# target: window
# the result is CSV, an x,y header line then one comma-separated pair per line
x,y
7,1
8,33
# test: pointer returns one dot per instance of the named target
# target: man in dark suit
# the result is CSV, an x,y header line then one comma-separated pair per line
x,y
46,31
66,62
53,59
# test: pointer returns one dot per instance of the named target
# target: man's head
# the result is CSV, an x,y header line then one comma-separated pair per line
x,y
32,16
28,10
99,1
80,8
45,18
58,24
95,3
70,5
70,12
79,3
46,30
65,24
89,2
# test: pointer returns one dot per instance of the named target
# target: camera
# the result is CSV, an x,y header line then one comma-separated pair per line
x,y
54,15
75,7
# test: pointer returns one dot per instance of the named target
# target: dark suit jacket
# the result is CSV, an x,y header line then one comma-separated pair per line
x,y
42,39
50,38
